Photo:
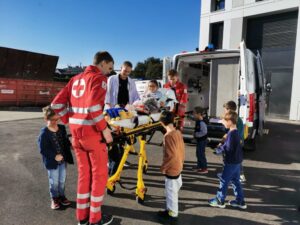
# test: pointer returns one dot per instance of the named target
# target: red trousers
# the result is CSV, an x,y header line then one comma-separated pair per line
x,y
180,124
92,160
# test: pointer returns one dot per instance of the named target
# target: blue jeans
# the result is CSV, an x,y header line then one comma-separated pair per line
x,y
231,173
57,178
200,153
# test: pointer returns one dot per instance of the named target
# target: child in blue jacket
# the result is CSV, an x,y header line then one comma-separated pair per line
x,y
233,157
231,106
54,147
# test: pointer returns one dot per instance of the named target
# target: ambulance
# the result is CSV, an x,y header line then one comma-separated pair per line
x,y
214,77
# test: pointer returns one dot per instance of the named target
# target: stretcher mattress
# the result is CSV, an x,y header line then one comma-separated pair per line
x,y
136,121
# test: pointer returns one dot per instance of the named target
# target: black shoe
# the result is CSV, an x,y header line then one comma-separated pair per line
x,y
236,204
64,201
127,164
163,214
83,222
105,220
164,217
215,202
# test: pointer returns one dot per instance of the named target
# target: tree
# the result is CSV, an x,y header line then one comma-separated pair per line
x,y
154,71
151,68
139,71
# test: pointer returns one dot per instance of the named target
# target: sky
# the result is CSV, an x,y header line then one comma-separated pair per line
x,y
75,30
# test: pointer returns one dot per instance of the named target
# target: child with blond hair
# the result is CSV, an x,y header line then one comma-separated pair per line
x,y
233,157
54,147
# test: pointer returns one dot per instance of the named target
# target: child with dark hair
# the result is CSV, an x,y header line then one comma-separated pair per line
x,y
233,157
200,134
172,165
54,147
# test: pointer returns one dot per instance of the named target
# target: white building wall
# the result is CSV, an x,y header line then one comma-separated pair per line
x,y
237,30
226,34
232,16
204,32
237,3
205,6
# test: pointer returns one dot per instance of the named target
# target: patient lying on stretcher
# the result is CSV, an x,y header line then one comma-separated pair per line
x,y
143,111
154,99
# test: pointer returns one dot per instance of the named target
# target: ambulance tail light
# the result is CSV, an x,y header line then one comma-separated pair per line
x,y
251,107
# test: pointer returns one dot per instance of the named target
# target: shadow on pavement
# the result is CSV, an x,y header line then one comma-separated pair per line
x,y
184,219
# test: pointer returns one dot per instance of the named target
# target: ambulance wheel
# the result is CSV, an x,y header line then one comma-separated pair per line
x,y
111,192
145,169
250,145
139,200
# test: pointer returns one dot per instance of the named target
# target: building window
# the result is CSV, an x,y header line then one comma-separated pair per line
x,y
217,5
216,35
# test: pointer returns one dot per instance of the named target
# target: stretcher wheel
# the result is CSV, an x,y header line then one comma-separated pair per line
x,y
140,200
111,192
145,169
250,144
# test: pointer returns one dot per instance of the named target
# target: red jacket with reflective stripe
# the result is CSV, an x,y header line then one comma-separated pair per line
x,y
181,96
80,103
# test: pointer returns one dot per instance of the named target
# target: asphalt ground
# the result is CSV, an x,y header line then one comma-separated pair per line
x,y
271,190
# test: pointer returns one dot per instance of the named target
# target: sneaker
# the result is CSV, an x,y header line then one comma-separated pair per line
x,y
242,178
105,220
202,171
55,203
165,216
215,202
127,164
64,201
236,204
83,222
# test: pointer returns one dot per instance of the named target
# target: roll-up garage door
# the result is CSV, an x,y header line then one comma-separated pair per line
x,y
275,37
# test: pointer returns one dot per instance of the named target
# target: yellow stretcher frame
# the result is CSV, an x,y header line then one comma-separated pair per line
x,y
139,132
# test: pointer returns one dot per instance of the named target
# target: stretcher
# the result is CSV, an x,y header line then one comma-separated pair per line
x,y
128,131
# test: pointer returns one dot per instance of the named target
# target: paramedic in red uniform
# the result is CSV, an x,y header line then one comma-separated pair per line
x,y
80,103
181,95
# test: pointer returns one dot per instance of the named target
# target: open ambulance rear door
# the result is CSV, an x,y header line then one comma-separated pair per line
x,y
243,111
247,98
261,94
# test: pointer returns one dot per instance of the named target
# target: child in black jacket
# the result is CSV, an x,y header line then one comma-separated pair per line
x,y
200,134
